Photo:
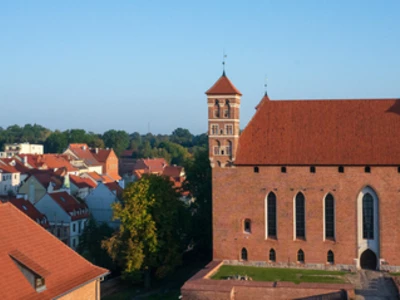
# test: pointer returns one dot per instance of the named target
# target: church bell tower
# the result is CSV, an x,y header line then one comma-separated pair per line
x,y
223,101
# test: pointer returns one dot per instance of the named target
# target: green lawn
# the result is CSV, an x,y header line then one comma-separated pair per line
x,y
274,274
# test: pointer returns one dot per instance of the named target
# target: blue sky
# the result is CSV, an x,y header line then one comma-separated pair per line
x,y
102,65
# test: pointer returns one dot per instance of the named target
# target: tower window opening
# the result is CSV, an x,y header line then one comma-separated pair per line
x,y
300,256
341,169
247,226
256,170
283,169
330,257
244,254
272,255
312,169
367,169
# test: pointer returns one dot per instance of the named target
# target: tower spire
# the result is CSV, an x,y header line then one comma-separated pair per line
x,y
265,86
223,63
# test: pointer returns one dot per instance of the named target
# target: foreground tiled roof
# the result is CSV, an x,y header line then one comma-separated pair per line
x,y
223,86
30,210
70,205
322,132
28,243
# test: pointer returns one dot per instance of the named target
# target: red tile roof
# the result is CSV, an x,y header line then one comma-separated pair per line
x,y
101,155
150,165
322,132
30,210
69,204
83,152
114,187
26,242
45,177
82,182
4,168
16,163
223,86
96,176
172,171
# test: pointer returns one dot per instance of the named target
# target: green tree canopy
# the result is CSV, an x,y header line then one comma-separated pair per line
x,y
182,137
117,139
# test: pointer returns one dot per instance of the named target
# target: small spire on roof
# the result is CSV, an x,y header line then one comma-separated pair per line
x,y
223,63
265,86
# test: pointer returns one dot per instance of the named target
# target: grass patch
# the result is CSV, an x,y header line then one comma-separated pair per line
x,y
395,274
275,274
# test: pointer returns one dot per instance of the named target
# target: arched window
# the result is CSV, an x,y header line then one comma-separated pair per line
x,y
247,226
216,109
330,257
229,148
329,217
367,169
272,255
300,216
300,256
227,111
271,214
368,216
217,148
244,254
256,170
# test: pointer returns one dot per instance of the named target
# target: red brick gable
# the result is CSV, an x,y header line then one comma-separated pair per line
x,y
25,241
223,86
322,132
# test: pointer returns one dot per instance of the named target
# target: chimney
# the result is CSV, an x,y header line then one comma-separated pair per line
x,y
25,160
97,150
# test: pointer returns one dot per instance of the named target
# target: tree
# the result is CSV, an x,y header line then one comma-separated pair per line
x,y
198,183
178,153
116,139
152,236
182,137
57,142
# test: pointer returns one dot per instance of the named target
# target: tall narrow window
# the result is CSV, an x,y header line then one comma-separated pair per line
x,y
217,148
256,170
229,129
244,254
329,217
247,226
272,255
368,217
216,109
227,111
271,214
229,148
214,129
331,257
300,256
300,216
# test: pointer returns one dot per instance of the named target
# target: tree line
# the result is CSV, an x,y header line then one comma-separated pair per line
x,y
175,148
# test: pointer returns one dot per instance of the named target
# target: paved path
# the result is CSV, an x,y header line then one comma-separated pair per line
x,y
373,285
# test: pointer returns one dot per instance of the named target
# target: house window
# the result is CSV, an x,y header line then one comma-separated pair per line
x,y
272,255
247,225
300,256
39,282
368,217
256,170
73,227
244,254
312,169
73,243
341,169
229,129
367,169
398,169
214,129
329,217
283,169
300,216
229,148
271,214
330,257
216,150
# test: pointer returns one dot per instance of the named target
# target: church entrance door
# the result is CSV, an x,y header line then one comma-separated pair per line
x,y
368,260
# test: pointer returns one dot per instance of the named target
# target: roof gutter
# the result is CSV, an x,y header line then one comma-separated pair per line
x,y
101,277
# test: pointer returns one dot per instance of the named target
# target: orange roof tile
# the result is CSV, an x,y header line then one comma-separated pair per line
x,y
114,187
82,182
322,132
83,152
30,210
96,176
101,155
150,165
223,86
25,241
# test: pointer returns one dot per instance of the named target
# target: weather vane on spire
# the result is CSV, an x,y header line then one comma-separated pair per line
x,y
265,85
223,63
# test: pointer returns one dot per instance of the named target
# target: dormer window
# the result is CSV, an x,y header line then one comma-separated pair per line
x,y
39,283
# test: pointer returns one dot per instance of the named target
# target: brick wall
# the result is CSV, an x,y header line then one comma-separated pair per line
x,y
239,193
90,291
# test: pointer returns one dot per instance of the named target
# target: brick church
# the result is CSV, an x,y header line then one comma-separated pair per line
x,y
311,183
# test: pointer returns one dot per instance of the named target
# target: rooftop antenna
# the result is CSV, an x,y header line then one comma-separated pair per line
x,y
223,63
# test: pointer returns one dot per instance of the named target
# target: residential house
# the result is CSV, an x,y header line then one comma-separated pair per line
x,y
81,152
9,179
100,200
67,216
18,165
23,148
109,160
81,186
35,265
40,182
24,205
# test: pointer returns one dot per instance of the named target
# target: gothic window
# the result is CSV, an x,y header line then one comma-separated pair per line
x,y
300,216
216,109
244,254
214,129
272,255
227,111
368,216
300,256
329,217
271,214
330,257
229,129
247,226
216,148
229,148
